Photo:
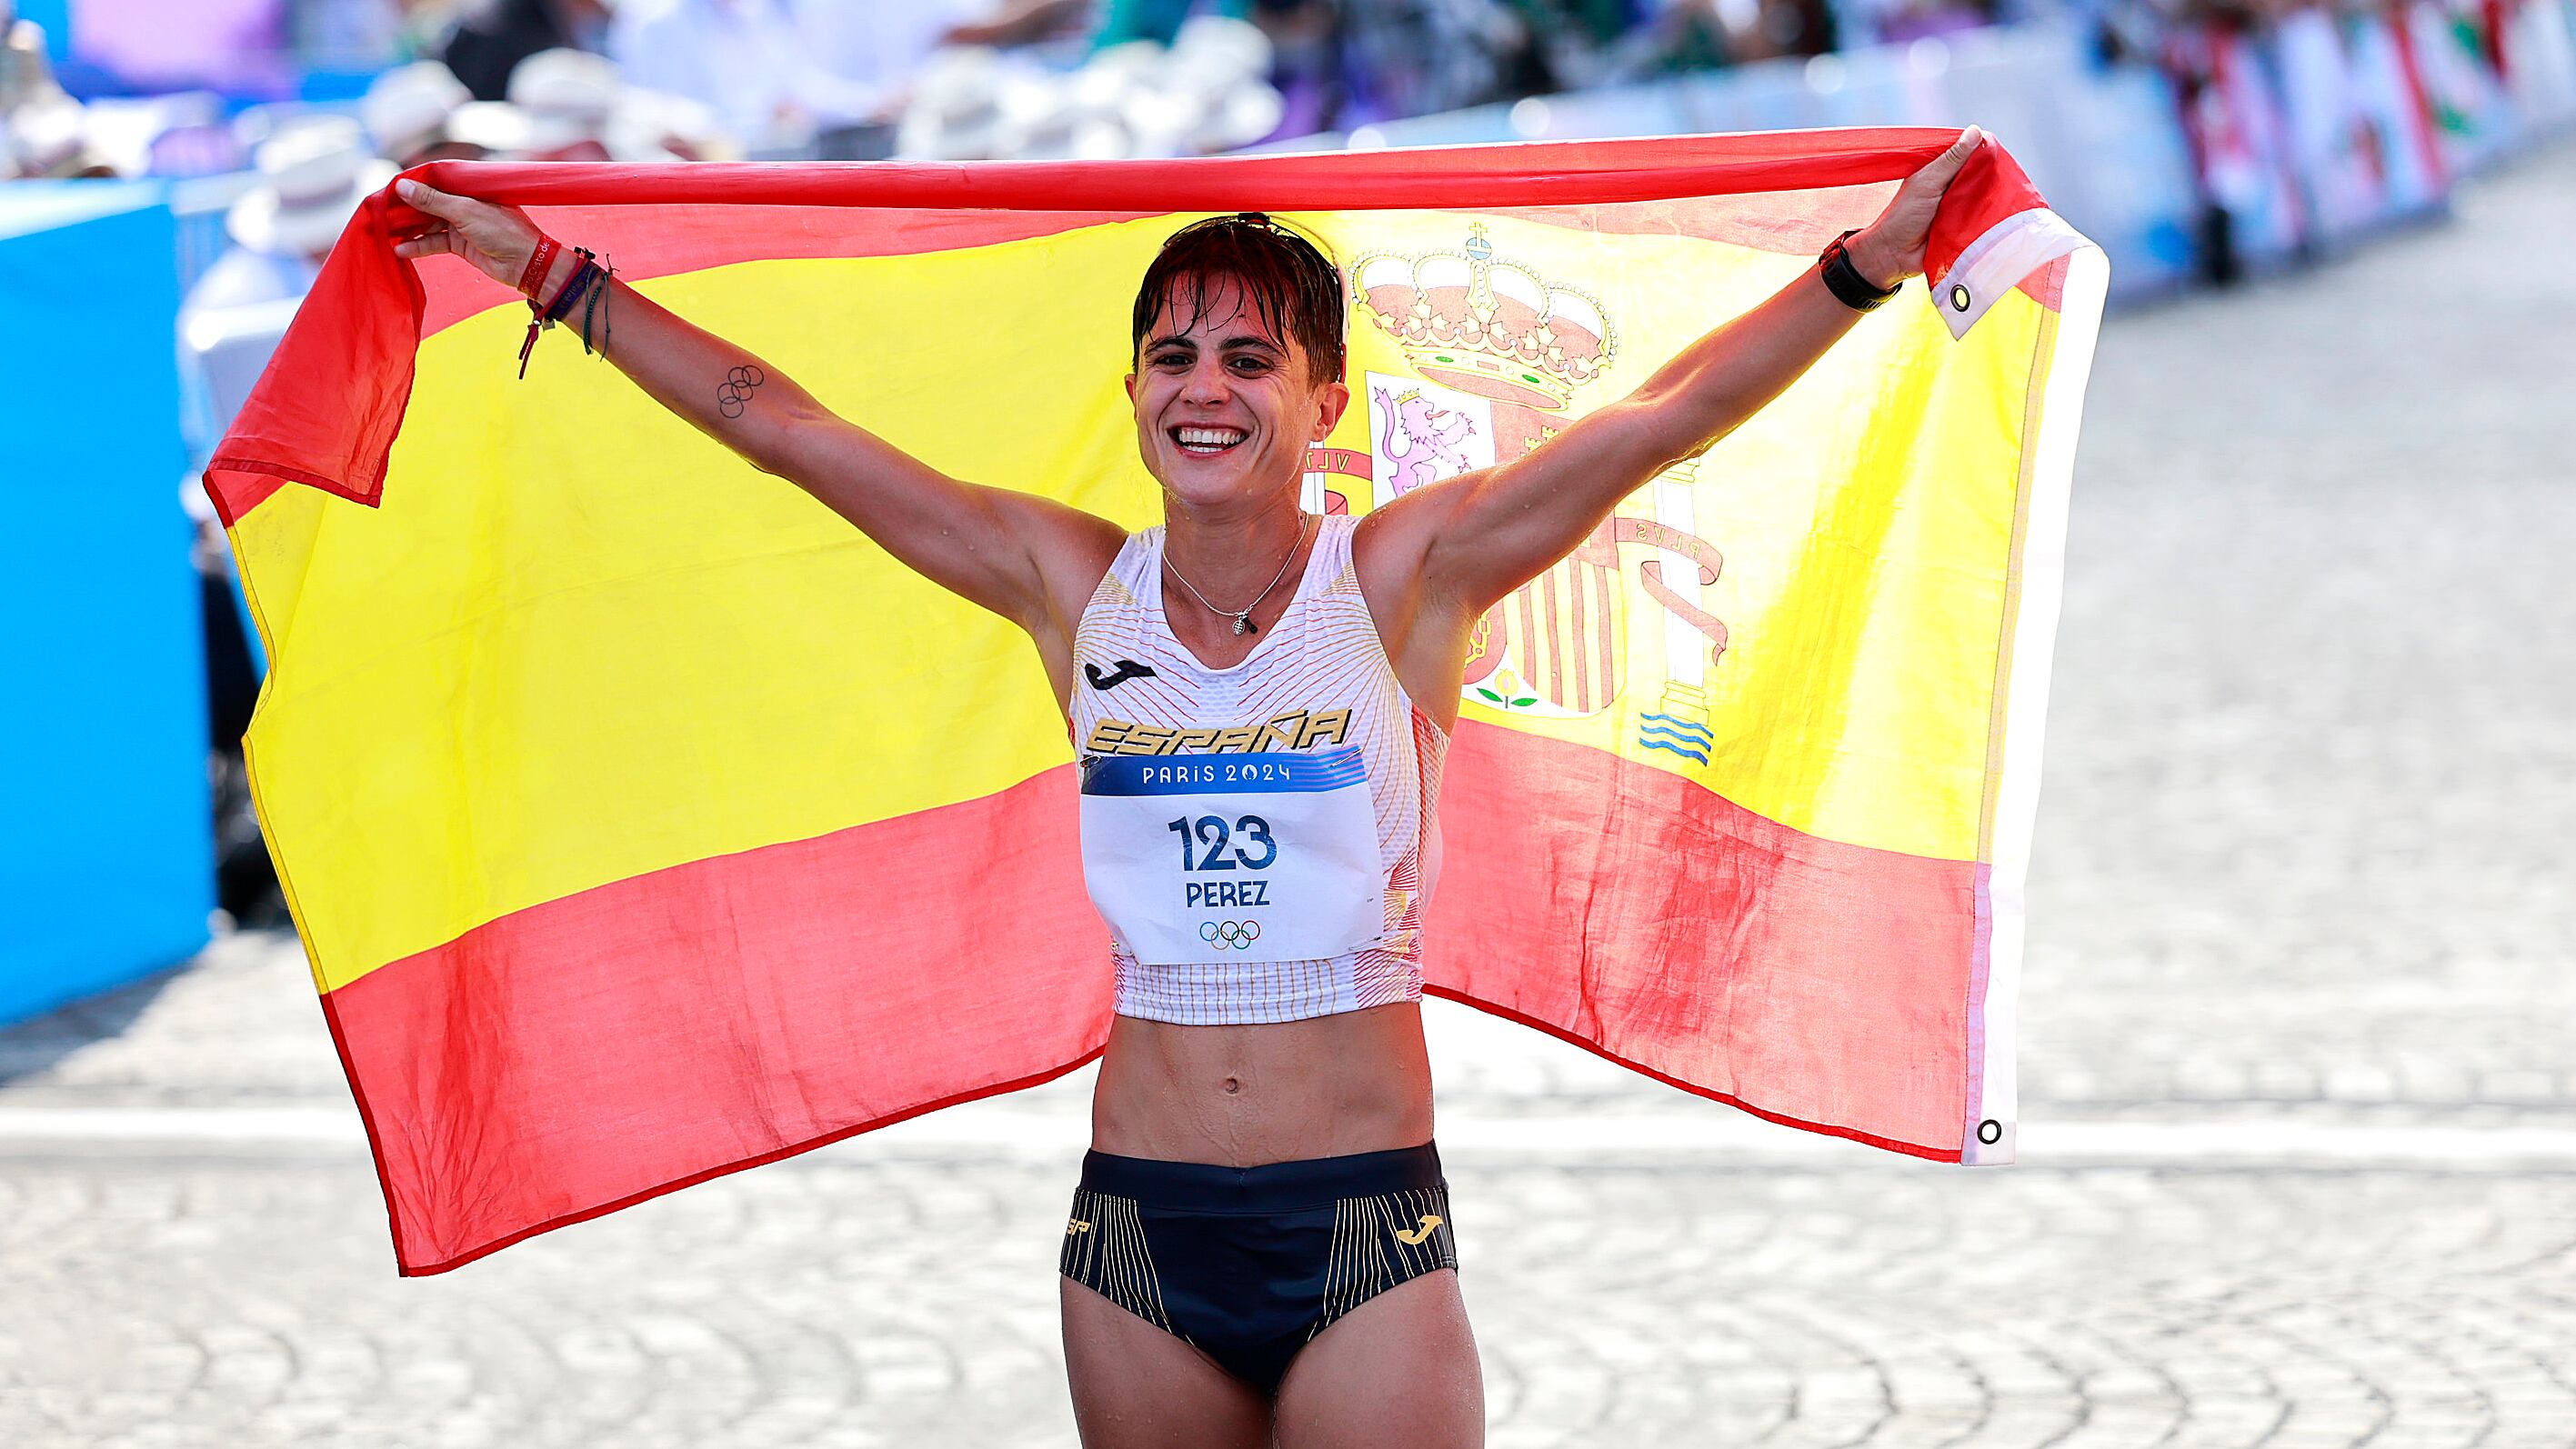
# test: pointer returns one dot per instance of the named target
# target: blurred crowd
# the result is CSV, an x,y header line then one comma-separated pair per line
x,y
936,79
2308,122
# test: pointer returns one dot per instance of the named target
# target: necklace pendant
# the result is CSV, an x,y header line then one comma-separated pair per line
x,y
1243,623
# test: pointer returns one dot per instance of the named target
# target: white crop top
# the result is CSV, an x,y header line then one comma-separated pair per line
x,y
1262,839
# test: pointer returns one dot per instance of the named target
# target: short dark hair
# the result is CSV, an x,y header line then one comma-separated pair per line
x,y
1294,288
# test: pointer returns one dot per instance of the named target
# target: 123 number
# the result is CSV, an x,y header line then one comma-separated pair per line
x,y
1213,834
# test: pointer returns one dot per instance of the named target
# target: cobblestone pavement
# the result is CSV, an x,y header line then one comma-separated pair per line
x,y
837,1303
2312,772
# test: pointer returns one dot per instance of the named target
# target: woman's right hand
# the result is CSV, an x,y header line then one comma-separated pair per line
x,y
497,240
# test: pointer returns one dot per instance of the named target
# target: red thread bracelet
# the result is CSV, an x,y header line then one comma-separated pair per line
x,y
538,263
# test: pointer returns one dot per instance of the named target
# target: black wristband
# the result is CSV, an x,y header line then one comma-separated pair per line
x,y
1845,281
574,287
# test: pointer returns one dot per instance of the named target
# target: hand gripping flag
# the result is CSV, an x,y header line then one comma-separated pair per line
x,y
644,822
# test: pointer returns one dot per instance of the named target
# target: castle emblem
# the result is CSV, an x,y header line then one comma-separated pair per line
x,y
1489,336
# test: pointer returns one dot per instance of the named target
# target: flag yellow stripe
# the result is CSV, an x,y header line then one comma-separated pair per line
x,y
579,641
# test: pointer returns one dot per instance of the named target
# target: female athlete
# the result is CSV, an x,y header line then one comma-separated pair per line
x,y
1261,1248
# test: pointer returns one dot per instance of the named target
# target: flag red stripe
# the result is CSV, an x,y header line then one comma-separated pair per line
x,y
1809,981
1528,174
713,1013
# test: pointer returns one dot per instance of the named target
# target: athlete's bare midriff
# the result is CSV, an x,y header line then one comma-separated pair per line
x,y
1240,1096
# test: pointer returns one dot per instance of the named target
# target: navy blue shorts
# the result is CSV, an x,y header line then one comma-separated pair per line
x,y
1250,1263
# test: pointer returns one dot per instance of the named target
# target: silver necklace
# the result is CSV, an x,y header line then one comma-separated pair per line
x,y
1243,617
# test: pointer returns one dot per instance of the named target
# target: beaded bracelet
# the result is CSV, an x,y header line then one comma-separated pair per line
x,y
589,302
588,285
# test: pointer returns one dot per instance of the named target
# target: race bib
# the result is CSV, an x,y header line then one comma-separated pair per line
x,y
1254,857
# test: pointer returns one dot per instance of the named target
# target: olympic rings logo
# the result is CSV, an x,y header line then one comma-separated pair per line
x,y
1230,935
736,389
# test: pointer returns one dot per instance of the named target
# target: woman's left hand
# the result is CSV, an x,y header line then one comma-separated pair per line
x,y
1890,249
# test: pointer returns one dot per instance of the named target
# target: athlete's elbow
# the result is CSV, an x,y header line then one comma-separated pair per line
x,y
1677,427
1656,453
771,443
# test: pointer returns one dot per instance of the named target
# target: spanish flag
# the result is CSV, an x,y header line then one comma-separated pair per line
x,y
644,822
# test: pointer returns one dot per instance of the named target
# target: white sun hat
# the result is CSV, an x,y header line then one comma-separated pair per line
x,y
312,175
956,111
50,139
407,108
1219,49
495,126
1246,113
567,97
647,123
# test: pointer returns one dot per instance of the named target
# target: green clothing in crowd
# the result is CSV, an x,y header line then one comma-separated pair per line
x,y
1125,20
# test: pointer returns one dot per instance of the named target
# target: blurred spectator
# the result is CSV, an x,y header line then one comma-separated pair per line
x,y
1306,61
566,100
1916,19
656,126
312,175
1573,39
746,60
1122,21
877,51
1686,35
1016,22
1581,44
49,140
356,35
44,134
422,112
492,38
25,74
571,105
1766,29
1206,92
1416,57
426,25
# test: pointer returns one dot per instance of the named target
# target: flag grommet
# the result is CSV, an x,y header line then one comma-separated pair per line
x,y
1990,1132
1958,297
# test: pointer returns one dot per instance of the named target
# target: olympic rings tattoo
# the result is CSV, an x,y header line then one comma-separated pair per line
x,y
1230,935
736,389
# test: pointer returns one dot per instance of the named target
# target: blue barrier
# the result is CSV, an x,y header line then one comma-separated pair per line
x,y
109,853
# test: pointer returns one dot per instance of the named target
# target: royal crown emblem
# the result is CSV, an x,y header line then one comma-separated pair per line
x,y
1490,328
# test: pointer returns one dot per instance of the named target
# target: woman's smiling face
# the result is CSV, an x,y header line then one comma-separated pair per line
x,y
1225,409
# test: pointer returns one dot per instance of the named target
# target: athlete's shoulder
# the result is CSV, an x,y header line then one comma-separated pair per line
x,y
1074,551
1390,544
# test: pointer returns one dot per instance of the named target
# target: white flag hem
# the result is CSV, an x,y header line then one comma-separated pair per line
x,y
1994,1087
1996,262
